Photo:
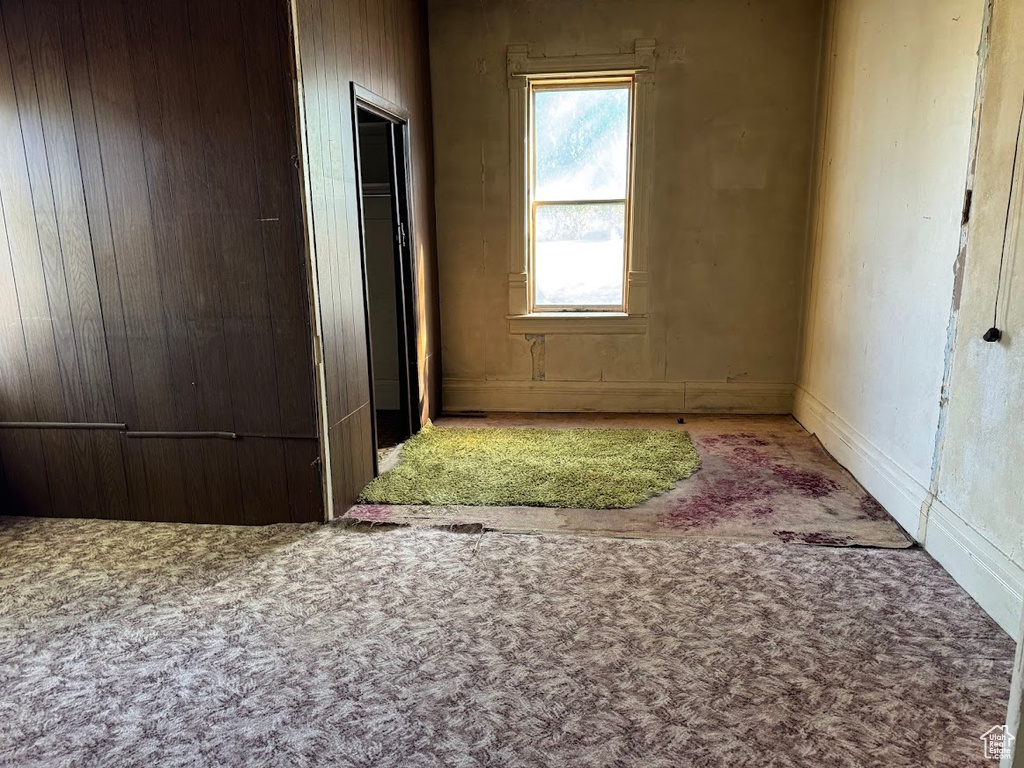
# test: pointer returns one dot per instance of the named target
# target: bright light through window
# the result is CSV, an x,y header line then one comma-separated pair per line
x,y
579,194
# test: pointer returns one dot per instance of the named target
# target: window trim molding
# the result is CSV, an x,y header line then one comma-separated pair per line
x,y
545,83
521,68
543,323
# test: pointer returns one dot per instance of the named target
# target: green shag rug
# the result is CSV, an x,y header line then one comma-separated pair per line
x,y
574,468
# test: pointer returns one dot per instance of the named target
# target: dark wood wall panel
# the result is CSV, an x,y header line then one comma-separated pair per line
x,y
380,45
152,267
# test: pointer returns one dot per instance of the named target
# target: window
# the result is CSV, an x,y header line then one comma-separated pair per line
x,y
579,193
581,133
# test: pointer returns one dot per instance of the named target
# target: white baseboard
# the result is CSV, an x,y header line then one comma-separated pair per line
x,y
900,494
989,576
985,573
616,396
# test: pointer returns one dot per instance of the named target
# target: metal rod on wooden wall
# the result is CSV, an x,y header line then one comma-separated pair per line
x,y
184,435
147,434
221,435
59,425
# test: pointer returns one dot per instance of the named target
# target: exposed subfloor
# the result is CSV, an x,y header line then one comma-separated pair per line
x,y
143,644
762,478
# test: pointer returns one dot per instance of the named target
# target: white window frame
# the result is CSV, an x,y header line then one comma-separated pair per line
x,y
621,82
522,72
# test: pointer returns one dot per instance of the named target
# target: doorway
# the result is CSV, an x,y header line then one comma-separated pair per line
x,y
382,176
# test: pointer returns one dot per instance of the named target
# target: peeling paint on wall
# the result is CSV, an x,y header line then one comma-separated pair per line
x,y
537,353
978,448
887,225
959,269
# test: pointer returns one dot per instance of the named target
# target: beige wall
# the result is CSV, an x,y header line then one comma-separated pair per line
x,y
980,487
735,94
899,99
895,378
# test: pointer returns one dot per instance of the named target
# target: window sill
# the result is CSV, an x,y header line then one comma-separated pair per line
x,y
577,322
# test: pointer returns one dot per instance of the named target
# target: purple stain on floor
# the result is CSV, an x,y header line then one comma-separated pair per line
x,y
807,483
753,457
812,484
725,498
762,479
815,537
371,513
872,509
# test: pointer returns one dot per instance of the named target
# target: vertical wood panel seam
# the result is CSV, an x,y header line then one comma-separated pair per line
x,y
60,239
83,448
117,274
88,222
35,216
138,33
202,128
139,504
146,170
263,240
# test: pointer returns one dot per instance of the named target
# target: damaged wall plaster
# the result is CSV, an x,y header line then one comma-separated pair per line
x,y
896,379
978,485
887,224
537,347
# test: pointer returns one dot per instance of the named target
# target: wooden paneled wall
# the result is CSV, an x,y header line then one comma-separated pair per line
x,y
152,268
380,45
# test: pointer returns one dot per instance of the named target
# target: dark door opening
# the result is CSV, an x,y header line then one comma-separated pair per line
x,y
382,178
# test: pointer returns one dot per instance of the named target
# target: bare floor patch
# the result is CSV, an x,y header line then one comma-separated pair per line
x,y
761,479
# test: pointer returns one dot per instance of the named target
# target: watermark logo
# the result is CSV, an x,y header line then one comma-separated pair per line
x,y
998,742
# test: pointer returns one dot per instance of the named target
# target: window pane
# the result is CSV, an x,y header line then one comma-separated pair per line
x,y
582,143
579,254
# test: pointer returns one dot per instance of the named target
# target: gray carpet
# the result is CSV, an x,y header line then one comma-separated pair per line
x,y
128,644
